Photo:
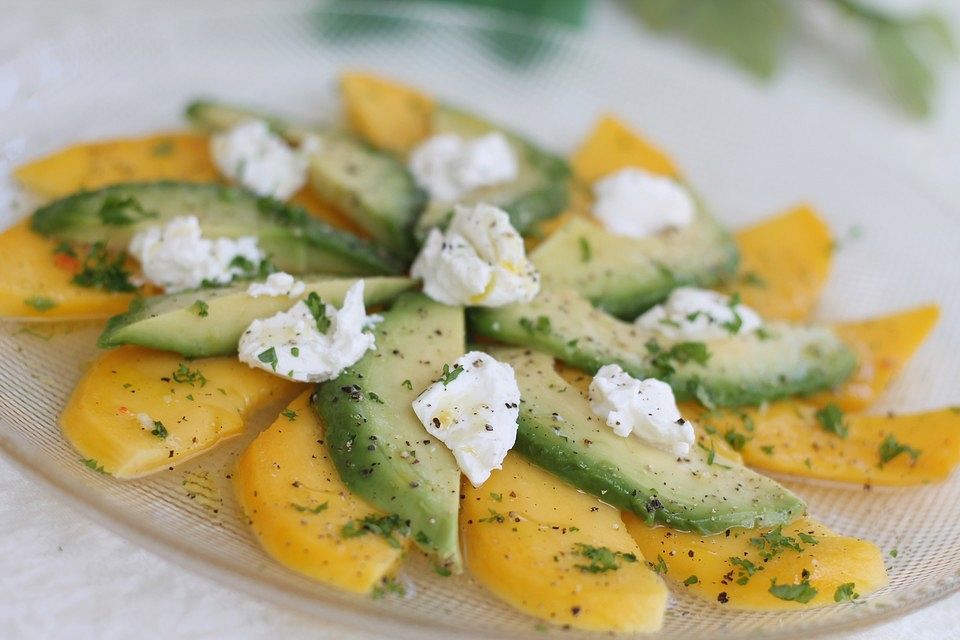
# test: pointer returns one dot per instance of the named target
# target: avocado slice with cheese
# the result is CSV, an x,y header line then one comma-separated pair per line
x,y
209,322
745,369
700,493
383,453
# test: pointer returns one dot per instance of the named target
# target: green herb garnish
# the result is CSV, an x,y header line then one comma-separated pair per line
x,y
200,308
313,510
383,526
159,430
830,418
289,414
601,559
773,543
98,271
662,360
890,449
90,463
448,375
735,439
387,587
846,593
121,211
318,309
186,375
407,384
660,568
691,580
745,569
269,357
802,592
585,252
542,325
40,303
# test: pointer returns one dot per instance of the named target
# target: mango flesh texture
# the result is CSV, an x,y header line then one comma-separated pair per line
x,y
386,114
35,283
528,559
784,264
297,505
612,146
833,561
101,417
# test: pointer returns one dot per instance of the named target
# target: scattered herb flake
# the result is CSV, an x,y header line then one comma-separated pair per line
x,y
601,559
387,587
98,271
745,569
890,449
496,496
660,568
846,593
186,375
691,580
269,357
773,543
373,396
541,325
448,375
802,592
312,510
735,439
442,570
383,526
318,309
121,211
90,463
407,384
767,449
585,253
40,303
830,418
159,430
200,308
289,414
894,553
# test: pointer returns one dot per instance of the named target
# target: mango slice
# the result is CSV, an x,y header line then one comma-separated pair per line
x,y
883,346
87,166
612,146
784,263
788,438
309,200
297,505
702,565
138,411
385,113
35,284
524,534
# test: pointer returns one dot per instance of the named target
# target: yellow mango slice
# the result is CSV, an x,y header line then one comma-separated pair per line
x,y
612,146
784,263
387,114
35,284
788,438
164,156
199,403
521,533
309,200
883,346
296,503
701,565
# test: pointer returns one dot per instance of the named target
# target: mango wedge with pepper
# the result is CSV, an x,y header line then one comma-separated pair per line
x,y
35,283
137,411
810,564
557,553
386,114
784,263
298,507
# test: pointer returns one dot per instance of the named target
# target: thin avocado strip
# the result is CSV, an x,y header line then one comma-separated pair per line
x,y
559,432
782,360
625,276
372,187
293,240
209,322
378,444
538,193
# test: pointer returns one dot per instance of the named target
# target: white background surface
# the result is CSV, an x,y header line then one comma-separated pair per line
x,y
63,576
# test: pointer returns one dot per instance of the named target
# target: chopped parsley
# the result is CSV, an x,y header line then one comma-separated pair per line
x,y
387,587
90,463
691,580
159,430
383,526
295,352
407,384
894,553
496,496
99,271
313,510
318,309
122,211
802,592
890,449
807,538
745,569
830,418
735,439
601,559
186,375
542,325
442,570
773,543
200,308
289,414
585,253
846,593
662,360
448,375
40,303
498,518
734,325
711,452
767,449
374,397
269,357
753,279
660,568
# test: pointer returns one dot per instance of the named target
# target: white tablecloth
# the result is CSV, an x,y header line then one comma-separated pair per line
x,y
63,576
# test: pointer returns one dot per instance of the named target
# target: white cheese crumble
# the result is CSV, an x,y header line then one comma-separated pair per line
x,y
700,313
291,345
473,409
479,261
449,166
251,155
177,257
636,203
644,408
277,284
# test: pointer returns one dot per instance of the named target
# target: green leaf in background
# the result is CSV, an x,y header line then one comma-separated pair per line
x,y
749,32
908,75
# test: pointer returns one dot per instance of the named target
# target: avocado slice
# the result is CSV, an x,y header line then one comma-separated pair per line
x,y
782,360
378,444
626,276
559,432
373,188
294,241
539,192
209,322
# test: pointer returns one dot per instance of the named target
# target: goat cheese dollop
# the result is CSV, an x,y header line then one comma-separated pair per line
x,y
251,155
277,284
177,257
644,408
473,409
479,260
312,341
701,314
636,203
449,166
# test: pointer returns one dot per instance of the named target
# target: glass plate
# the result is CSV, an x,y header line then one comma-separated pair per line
x,y
134,75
